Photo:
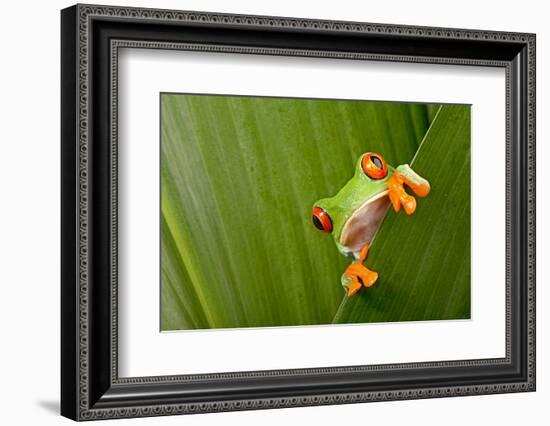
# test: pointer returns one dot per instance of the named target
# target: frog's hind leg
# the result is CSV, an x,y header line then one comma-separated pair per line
x,y
358,275
364,253
365,276
351,284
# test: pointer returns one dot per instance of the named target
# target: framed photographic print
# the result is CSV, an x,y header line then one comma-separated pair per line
x,y
263,212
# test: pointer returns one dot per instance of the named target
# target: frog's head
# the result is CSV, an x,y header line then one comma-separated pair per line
x,y
353,215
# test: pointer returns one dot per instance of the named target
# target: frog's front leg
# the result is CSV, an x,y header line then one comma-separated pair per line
x,y
396,191
357,275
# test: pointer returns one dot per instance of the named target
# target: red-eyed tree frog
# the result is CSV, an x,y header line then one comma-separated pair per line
x,y
354,214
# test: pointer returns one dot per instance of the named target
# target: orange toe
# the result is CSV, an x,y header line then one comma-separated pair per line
x,y
399,197
368,277
354,287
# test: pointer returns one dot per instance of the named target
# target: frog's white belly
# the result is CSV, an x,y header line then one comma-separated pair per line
x,y
360,228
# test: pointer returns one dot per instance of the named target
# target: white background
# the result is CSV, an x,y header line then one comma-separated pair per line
x,y
146,352
29,225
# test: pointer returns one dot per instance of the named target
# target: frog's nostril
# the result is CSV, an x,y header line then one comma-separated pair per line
x,y
321,219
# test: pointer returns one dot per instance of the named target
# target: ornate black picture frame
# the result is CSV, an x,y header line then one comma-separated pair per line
x,y
90,38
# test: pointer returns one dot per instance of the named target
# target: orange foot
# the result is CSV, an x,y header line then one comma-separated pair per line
x,y
396,191
357,275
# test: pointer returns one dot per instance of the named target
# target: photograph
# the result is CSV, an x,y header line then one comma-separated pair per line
x,y
304,212
267,210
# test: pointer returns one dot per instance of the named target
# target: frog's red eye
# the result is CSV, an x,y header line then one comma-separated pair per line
x,y
374,165
321,219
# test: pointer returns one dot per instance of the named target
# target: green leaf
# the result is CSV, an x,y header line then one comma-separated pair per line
x,y
239,177
432,110
423,260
